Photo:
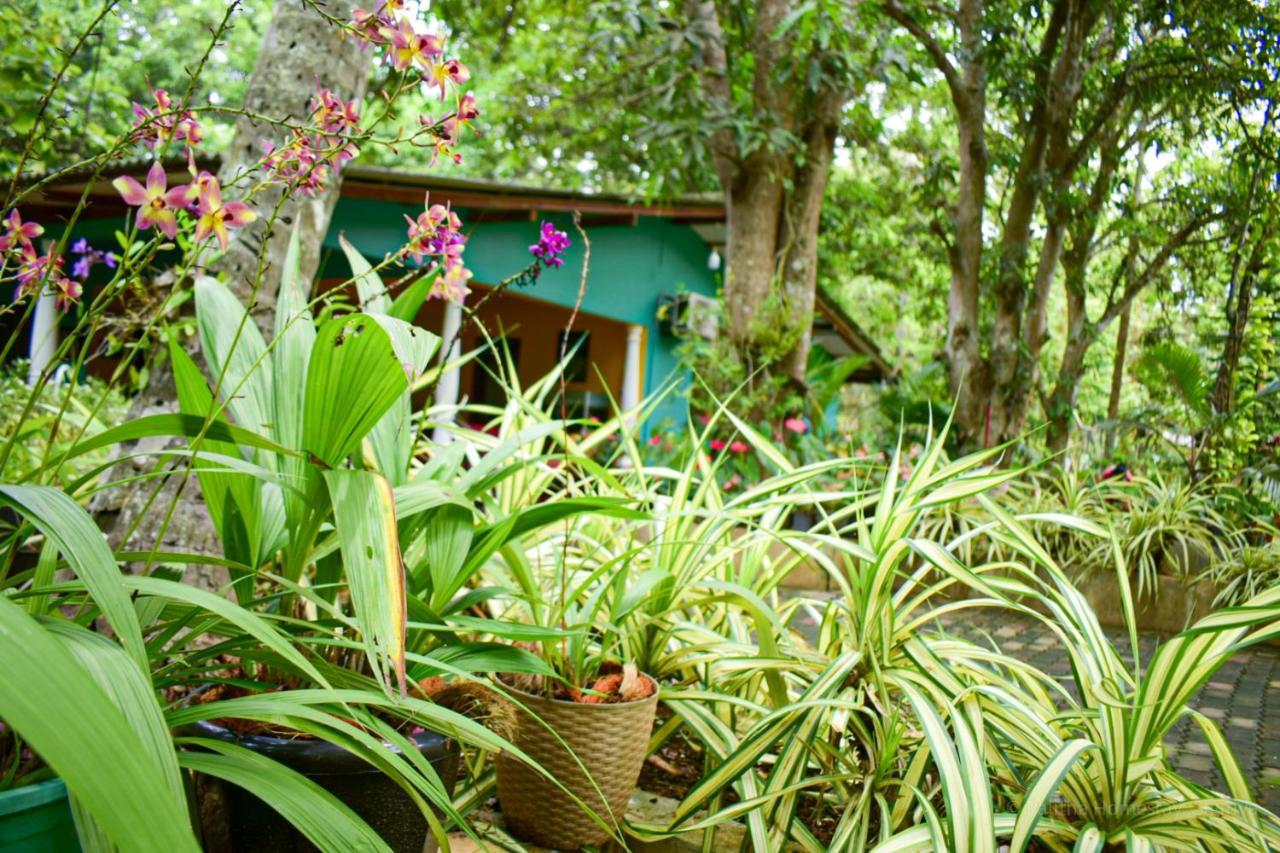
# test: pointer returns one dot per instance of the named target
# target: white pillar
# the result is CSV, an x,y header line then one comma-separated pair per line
x,y
450,385
631,369
44,334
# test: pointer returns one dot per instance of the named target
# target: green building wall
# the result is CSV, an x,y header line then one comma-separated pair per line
x,y
631,266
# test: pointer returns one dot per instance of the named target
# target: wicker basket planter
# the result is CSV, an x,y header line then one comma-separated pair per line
x,y
610,740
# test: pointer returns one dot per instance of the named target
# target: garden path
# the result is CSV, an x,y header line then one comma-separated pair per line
x,y
1243,696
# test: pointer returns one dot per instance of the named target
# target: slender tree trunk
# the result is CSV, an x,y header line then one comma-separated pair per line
x,y
1080,334
1240,298
1122,333
970,378
1117,367
965,72
299,52
1223,395
803,214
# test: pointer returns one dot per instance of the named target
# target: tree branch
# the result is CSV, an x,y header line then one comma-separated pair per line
x,y
939,56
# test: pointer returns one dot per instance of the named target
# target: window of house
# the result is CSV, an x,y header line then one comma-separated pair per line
x,y
490,368
578,348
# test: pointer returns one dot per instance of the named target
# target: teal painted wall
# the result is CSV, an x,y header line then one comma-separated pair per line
x,y
630,267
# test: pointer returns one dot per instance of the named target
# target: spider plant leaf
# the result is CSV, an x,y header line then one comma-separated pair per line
x,y
953,770
117,774
364,517
1090,840
1043,788
329,823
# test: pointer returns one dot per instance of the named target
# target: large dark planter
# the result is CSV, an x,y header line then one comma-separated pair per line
x,y
242,823
37,819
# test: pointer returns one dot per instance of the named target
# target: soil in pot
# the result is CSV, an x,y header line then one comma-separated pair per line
x,y
234,821
37,819
609,738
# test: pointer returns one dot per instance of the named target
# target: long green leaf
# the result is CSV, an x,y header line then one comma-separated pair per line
x,y
327,821
80,541
48,696
365,519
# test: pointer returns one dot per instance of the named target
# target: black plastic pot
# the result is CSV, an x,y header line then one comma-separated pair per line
x,y
234,820
802,520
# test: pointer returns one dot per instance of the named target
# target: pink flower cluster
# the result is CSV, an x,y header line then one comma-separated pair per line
x,y
550,246
167,122
735,446
314,152
405,49
158,204
33,268
436,240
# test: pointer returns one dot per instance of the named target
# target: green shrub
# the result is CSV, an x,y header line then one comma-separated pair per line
x,y
61,415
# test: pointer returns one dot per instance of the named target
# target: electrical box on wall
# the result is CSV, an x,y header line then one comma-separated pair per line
x,y
685,315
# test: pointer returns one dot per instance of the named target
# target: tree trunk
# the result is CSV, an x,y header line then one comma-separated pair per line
x,y
1117,367
755,205
1056,89
1224,384
803,214
1122,334
970,379
1080,334
299,52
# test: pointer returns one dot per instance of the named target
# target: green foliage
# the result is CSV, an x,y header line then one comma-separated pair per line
x,y
46,426
1244,572
139,45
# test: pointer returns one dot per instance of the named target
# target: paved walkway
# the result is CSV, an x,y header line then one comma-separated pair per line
x,y
1244,695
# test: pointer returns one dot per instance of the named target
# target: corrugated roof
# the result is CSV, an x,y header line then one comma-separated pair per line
x,y
61,192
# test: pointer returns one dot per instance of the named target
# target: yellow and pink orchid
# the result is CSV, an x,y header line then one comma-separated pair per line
x,y
216,216
157,205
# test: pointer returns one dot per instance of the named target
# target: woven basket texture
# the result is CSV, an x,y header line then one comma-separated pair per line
x,y
609,740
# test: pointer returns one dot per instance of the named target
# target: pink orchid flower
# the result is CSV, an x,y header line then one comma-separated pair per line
x,y
157,205
452,286
18,234
738,447
467,109
716,444
655,440
69,292
407,47
216,216
441,74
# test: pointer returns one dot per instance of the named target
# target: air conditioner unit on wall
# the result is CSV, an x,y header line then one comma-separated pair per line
x,y
686,314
